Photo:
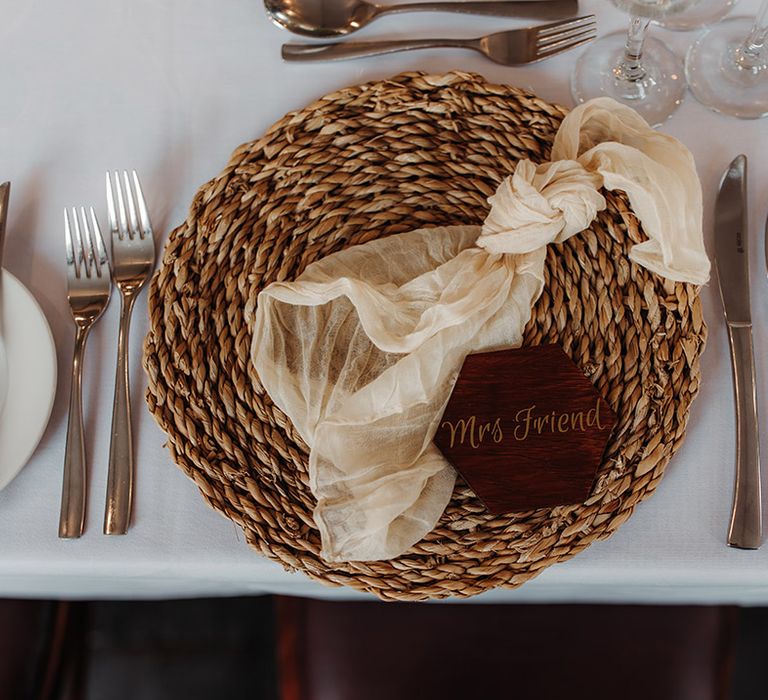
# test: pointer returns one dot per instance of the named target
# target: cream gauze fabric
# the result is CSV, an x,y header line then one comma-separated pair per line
x,y
362,350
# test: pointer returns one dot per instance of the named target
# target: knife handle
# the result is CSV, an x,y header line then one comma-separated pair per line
x,y
745,531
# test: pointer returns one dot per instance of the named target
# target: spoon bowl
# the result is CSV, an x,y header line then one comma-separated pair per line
x,y
320,18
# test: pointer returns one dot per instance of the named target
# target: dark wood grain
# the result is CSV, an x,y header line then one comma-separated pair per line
x,y
525,428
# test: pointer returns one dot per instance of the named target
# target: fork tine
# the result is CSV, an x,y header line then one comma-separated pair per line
x,y
146,226
78,240
549,39
101,250
563,24
88,251
553,51
73,247
133,223
68,242
122,223
566,38
111,213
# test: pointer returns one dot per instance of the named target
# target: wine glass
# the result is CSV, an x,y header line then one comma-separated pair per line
x,y
639,72
700,14
727,67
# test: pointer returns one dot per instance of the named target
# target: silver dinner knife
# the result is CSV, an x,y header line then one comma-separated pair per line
x,y
5,193
732,263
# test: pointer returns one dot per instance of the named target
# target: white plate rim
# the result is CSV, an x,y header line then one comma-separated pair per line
x,y
42,410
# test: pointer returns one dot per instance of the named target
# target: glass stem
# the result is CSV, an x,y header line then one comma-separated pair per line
x,y
631,66
751,55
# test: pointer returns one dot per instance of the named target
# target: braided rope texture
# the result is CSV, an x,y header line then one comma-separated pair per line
x,y
375,160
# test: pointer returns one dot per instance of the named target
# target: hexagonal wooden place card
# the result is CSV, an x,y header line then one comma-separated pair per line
x,y
525,428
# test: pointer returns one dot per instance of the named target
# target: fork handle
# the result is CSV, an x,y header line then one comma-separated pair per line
x,y
358,49
73,493
117,513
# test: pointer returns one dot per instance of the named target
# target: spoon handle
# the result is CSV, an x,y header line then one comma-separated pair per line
x,y
358,49
538,9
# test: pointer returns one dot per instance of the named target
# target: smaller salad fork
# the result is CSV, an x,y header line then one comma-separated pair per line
x,y
89,285
515,47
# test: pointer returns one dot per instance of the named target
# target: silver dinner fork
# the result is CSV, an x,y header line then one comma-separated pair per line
x,y
510,48
88,288
133,258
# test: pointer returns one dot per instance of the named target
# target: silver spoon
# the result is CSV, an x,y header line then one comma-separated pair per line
x,y
339,17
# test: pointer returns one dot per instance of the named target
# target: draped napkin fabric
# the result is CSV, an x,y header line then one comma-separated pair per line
x,y
362,350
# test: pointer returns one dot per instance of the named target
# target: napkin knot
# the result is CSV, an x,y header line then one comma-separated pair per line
x,y
541,204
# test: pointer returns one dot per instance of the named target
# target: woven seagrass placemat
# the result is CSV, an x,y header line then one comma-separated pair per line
x,y
375,160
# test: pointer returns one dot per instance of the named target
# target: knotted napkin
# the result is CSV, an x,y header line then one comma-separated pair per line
x,y
362,350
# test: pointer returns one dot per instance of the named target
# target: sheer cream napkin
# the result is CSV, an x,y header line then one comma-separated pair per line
x,y
362,350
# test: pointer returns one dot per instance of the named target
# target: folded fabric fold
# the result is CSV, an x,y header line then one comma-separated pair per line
x,y
362,350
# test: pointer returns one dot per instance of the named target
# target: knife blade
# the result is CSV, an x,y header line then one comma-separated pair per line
x,y
732,264
5,193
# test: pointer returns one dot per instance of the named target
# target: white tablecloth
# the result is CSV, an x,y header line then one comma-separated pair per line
x,y
170,89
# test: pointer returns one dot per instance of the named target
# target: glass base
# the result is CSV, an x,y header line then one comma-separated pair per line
x,y
655,96
700,14
717,81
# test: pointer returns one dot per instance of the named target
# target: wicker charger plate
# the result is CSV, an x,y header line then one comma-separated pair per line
x,y
376,160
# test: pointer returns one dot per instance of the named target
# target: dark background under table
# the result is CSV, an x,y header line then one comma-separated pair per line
x,y
278,648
